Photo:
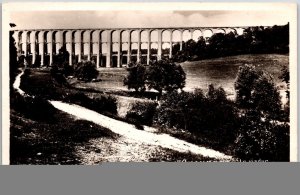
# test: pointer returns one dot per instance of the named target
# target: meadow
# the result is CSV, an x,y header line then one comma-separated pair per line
x,y
199,74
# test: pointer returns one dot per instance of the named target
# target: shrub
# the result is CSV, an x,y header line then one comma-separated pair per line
x,y
67,69
37,62
85,71
58,75
104,103
61,58
211,114
142,112
136,77
285,77
101,104
262,140
35,108
77,98
43,84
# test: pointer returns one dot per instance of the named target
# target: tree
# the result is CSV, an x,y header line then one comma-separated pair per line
x,y
244,83
255,90
262,140
165,75
85,71
62,57
253,40
262,135
136,77
266,97
285,77
13,65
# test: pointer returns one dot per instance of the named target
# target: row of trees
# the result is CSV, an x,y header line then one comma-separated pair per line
x,y
163,75
256,124
254,40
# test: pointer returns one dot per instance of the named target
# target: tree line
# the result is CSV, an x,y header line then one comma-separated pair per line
x,y
254,126
254,40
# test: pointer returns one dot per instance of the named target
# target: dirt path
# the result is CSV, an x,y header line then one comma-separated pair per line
x,y
133,145
146,136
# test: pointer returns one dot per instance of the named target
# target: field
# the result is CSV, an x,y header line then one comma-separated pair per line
x,y
45,142
219,71
223,71
41,134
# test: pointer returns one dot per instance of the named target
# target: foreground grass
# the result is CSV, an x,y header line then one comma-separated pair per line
x,y
174,156
40,82
56,141
215,142
53,142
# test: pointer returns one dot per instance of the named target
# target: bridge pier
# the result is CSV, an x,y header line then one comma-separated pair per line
x,y
83,42
149,47
119,55
129,48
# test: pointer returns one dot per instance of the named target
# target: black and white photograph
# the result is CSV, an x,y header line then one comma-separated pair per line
x,y
90,83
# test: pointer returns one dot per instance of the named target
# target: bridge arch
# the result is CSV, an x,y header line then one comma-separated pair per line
x,y
196,34
186,35
113,47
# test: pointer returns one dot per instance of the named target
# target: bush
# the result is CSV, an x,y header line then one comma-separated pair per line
x,y
58,75
37,62
211,114
61,58
85,71
136,77
262,140
43,84
35,108
142,112
103,104
67,69
285,77
77,98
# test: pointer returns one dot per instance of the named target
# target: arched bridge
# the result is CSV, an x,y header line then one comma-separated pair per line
x,y
109,47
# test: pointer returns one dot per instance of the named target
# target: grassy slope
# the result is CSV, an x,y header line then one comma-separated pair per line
x,y
223,71
218,71
50,141
42,142
55,142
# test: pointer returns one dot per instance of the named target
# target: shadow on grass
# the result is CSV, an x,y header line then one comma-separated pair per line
x,y
38,142
219,143
168,155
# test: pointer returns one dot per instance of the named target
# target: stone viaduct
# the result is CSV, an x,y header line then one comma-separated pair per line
x,y
110,47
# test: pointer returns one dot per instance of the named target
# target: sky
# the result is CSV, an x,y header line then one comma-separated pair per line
x,y
130,19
